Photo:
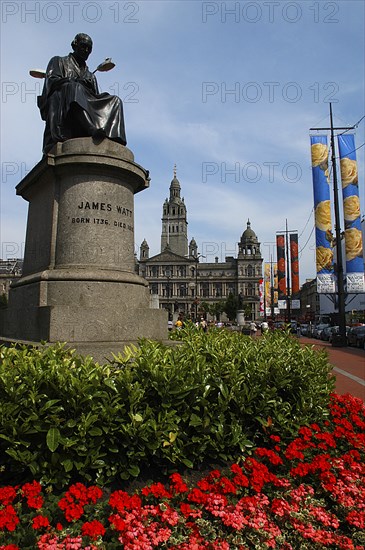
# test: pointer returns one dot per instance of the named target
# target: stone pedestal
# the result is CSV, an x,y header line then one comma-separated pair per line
x,y
240,317
79,283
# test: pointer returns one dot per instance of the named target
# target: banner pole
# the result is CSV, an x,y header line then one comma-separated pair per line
x,y
272,283
287,273
341,341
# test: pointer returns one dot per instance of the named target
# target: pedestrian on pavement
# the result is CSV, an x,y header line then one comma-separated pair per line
x,y
253,328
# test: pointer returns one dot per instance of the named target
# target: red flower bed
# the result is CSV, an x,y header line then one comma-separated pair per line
x,y
307,494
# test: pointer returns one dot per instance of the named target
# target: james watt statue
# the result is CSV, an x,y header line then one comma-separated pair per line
x,y
71,104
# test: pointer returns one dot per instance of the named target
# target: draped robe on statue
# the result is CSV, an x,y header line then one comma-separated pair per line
x,y
72,106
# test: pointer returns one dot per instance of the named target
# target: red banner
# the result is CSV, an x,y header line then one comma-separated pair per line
x,y
294,264
280,251
262,301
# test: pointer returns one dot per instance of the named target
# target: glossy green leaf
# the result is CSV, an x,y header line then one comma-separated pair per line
x,y
53,439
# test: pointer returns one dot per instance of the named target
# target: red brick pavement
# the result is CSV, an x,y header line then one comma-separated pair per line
x,y
349,367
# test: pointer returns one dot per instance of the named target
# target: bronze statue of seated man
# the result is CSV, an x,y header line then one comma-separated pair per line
x,y
71,104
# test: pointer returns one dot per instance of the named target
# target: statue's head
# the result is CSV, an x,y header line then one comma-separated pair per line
x,y
82,46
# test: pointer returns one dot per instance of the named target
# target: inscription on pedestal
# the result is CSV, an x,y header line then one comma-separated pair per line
x,y
97,216
118,210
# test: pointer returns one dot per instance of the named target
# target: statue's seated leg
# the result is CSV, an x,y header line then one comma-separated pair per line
x,y
109,117
55,130
78,122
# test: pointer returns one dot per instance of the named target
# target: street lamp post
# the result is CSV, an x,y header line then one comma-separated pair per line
x,y
308,306
272,291
168,275
196,260
288,289
196,288
192,294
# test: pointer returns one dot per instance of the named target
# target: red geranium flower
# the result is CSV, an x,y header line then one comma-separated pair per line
x,y
32,491
93,529
8,518
7,495
40,522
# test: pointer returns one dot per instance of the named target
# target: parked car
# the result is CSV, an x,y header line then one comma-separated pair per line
x,y
304,329
318,329
326,334
355,336
360,338
351,336
279,325
335,330
294,327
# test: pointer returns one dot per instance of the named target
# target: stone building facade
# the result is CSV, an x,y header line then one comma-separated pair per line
x,y
181,278
10,270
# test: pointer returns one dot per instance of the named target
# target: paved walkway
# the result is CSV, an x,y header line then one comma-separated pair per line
x,y
349,367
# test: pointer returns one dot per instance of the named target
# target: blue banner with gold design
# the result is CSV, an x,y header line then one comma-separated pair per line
x,y
355,280
322,215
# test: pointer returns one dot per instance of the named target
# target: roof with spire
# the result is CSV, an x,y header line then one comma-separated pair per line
x,y
175,189
175,182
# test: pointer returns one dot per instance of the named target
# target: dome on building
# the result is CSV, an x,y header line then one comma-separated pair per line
x,y
144,250
175,189
249,234
175,183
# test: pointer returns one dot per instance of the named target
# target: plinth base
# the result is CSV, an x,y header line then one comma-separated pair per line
x,y
79,283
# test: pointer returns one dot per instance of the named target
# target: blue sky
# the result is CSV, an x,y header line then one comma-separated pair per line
x,y
226,90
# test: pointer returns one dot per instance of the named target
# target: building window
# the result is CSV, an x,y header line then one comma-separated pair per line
x,y
154,271
183,290
205,290
167,290
169,269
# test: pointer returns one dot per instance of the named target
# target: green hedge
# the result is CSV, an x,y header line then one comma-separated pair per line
x,y
210,398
